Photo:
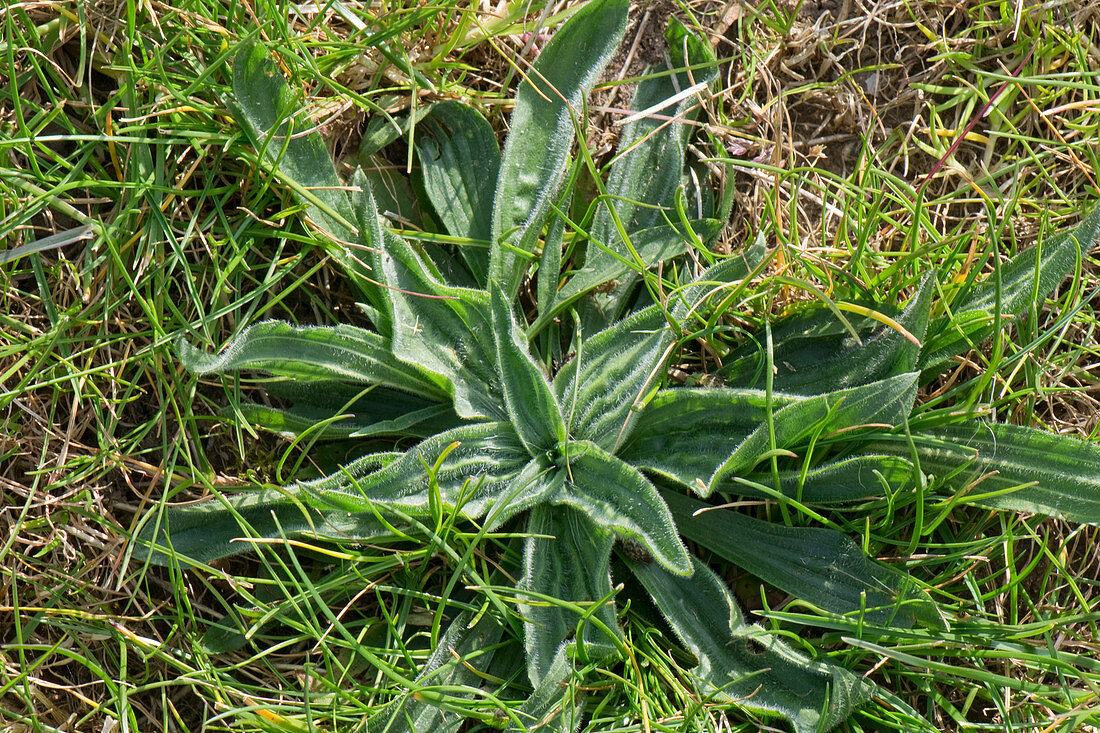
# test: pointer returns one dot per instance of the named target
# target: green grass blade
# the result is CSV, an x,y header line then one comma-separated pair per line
x,y
1023,281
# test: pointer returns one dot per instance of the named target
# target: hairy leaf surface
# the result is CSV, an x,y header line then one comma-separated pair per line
x,y
315,352
482,463
566,557
743,664
614,495
551,94
816,564
1012,467
602,387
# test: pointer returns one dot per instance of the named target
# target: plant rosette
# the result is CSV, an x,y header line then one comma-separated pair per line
x,y
558,417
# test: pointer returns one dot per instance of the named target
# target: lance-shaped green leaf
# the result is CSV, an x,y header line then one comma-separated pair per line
x,y
743,664
813,352
1011,467
603,387
479,462
534,161
315,352
566,558
270,115
818,565
222,526
650,164
1024,280
531,405
649,168
459,164
365,412
614,495
647,249
887,401
451,672
445,330
684,434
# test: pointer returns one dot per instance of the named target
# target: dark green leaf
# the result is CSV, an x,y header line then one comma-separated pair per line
x,y
744,664
818,565
369,411
270,115
887,401
1012,467
445,330
848,480
534,160
814,353
648,171
684,434
312,353
460,162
